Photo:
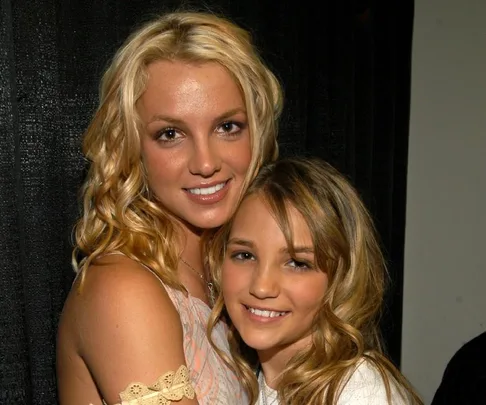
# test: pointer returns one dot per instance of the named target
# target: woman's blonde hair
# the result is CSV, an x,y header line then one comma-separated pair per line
x,y
119,211
346,326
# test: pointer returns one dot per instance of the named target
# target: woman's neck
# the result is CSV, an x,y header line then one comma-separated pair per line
x,y
190,238
191,248
191,272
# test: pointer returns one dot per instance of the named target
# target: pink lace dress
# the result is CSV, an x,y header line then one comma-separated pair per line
x,y
213,381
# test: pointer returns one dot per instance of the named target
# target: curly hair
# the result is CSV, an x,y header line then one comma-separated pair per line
x,y
120,213
346,326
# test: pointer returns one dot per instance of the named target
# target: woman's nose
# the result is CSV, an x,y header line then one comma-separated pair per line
x,y
206,158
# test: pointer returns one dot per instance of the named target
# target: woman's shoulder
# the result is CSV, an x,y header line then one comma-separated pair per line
x,y
115,289
116,276
366,386
125,325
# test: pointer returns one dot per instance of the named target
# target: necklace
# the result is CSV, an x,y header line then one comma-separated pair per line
x,y
266,392
209,284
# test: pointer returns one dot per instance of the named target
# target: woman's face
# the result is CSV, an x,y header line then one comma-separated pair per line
x,y
196,146
270,295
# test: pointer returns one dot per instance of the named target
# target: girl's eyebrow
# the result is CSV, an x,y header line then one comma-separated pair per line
x,y
299,249
250,244
242,242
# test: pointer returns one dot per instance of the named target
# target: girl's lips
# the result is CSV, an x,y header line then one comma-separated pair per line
x,y
255,317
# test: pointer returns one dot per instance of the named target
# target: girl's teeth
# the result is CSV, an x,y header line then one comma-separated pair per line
x,y
266,314
206,190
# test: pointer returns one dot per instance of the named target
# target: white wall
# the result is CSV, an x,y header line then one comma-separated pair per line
x,y
445,248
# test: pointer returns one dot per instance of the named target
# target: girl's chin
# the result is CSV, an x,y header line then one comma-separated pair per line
x,y
260,345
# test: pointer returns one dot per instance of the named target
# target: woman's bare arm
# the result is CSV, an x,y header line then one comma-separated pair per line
x,y
127,328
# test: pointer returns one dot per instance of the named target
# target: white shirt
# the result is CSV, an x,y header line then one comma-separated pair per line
x,y
364,387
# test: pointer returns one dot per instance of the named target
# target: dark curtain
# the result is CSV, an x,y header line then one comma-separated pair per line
x,y
345,66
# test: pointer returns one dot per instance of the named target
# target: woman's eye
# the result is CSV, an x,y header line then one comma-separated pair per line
x,y
229,127
168,135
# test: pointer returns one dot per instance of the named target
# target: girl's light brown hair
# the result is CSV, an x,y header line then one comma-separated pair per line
x,y
346,327
119,211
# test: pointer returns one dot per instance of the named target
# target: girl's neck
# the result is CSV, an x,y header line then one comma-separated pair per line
x,y
274,361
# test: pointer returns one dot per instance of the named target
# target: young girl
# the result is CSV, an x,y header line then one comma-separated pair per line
x,y
187,116
302,278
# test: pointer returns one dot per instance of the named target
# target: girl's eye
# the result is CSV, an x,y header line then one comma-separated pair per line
x,y
230,128
168,135
299,265
242,256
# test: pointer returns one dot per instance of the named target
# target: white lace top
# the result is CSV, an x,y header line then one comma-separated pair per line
x,y
364,387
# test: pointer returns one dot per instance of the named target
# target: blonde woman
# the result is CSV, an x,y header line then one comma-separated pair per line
x,y
188,114
302,283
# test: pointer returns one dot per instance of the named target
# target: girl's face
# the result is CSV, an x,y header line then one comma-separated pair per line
x,y
196,146
271,296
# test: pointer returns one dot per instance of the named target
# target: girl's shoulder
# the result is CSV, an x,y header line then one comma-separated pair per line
x,y
367,386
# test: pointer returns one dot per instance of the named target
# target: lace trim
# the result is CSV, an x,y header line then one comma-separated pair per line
x,y
169,387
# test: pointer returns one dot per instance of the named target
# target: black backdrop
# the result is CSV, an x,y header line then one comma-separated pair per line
x,y
345,66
